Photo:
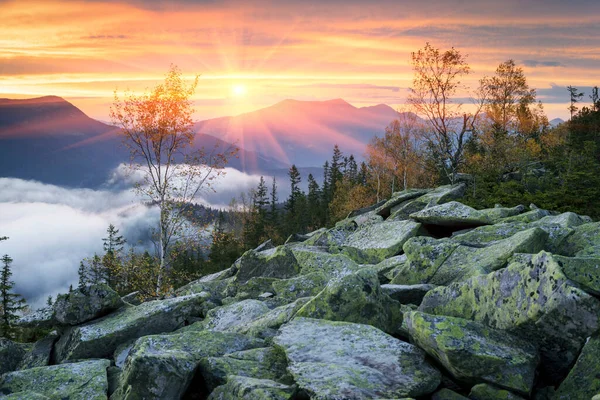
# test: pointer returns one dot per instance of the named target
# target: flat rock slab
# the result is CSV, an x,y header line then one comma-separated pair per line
x,y
383,240
86,380
533,299
232,317
100,338
340,360
452,214
432,198
240,387
473,352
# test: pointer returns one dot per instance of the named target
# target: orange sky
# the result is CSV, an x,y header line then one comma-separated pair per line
x,y
252,54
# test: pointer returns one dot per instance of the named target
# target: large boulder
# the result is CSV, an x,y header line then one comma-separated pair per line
x,y
86,380
424,257
340,360
265,326
245,388
583,381
407,294
534,300
314,259
484,391
383,240
231,317
42,318
101,337
11,355
163,366
40,353
452,214
86,304
432,198
583,270
497,213
300,286
273,263
397,199
356,298
585,236
473,352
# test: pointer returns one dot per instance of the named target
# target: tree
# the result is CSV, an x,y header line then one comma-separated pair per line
x,y
434,96
575,95
595,97
315,214
157,128
11,303
81,272
113,246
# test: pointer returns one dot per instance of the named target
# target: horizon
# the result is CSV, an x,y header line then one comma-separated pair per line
x,y
251,56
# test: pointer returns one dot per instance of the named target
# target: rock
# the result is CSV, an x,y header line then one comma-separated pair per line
x,y
42,318
231,317
100,338
39,355
265,326
473,352
483,391
497,213
447,394
27,394
583,381
489,234
397,199
113,375
266,245
316,260
11,355
367,219
584,237
583,270
214,287
300,286
250,289
84,380
432,198
244,388
382,240
260,363
529,216
536,301
266,295
424,257
86,304
355,298
332,237
296,238
274,263
340,360
452,214
388,268
162,366
132,298
407,294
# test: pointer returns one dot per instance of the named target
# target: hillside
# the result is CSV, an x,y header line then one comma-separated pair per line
x,y
303,132
419,297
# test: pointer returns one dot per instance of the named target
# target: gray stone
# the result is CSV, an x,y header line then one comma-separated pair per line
x,y
39,355
452,214
86,304
11,355
244,388
407,294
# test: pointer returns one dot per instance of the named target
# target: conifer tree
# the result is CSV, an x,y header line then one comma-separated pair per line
x,y
113,245
82,273
11,303
575,95
315,214
295,202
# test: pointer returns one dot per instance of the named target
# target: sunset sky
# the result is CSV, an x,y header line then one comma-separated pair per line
x,y
252,54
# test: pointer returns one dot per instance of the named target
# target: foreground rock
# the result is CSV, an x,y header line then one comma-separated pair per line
x,y
452,214
86,304
11,354
339,360
583,381
240,387
100,338
472,352
86,380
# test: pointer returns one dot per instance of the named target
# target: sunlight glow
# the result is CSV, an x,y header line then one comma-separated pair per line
x,y
238,90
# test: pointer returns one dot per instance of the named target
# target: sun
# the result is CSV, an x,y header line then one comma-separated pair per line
x,y
238,90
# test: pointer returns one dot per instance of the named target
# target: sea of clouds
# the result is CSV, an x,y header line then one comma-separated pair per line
x,y
52,228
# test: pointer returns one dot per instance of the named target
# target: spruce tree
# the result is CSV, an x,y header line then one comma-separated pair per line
x,y
113,246
575,95
293,205
82,273
11,302
315,214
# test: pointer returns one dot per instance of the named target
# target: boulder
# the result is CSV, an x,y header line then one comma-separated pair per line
x,y
432,198
473,352
584,237
527,217
583,381
388,268
265,326
250,289
241,387
534,300
340,360
85,304
259,363
84,380
273,263
100,338
497,213
424,257
488,235
11,355
314,259
231,317
300,286
214,287
356,298
332,237
397,199
383,240
42,318
163,366
407,294
39,355
452,214
447,394
483,391
583,270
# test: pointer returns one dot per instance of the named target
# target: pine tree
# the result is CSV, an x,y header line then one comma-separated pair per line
x,y
351,170
11,302
83,279
49,301
335,172
315,214
575,95
97,271
273,204
293,205
113,246
325,193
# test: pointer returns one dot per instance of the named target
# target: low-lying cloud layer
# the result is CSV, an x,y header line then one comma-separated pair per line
x,y
51,228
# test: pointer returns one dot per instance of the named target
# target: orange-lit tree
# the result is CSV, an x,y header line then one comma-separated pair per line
x,y
157,128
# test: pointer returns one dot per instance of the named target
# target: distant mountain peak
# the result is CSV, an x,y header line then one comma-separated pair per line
x,y
34,100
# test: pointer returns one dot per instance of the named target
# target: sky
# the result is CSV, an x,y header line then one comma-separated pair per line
x,y
252,54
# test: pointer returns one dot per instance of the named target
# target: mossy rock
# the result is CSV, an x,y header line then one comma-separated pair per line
x,y
497,213
214,287
274,263
398,198
527,217
42,318
39,355
483,391
583,270
473,352
434,197
424,257
340,360
250,289
265,326
100,338
231,317
84,380
534,300
452,214
355,298
489,234
300,286
245,388
332,237
583,381
11,355
314,259
86,304
383,240
447,394
163,366
388,268
584,237
407,294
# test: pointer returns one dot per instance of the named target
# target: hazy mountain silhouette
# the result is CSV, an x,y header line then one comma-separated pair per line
x,y
303,132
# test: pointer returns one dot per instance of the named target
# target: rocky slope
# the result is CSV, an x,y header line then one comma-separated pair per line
x,y
418,297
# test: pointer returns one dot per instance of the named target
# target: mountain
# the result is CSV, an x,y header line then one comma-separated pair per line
x,y
303,132
50,140
556,121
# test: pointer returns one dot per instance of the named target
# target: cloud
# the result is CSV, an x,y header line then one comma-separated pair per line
x,y
52,228
536,63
